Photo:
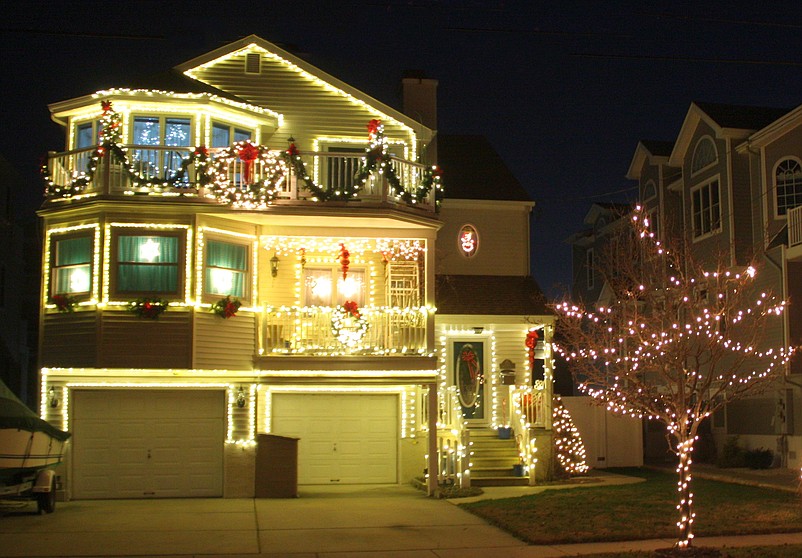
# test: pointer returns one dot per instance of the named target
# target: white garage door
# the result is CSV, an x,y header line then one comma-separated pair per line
x,y
147,443
344,439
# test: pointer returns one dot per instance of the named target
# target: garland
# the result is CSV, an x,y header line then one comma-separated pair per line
x,y
148,308
226,307
212,173
64,303
347,324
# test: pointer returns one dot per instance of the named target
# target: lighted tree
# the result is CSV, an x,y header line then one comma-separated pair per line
x,y
678,339
568,444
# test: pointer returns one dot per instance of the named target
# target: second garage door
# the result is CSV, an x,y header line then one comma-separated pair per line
x,y
344,438
147,443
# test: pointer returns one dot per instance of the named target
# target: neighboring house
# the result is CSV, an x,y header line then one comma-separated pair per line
x,y
15,359
732,183
285,218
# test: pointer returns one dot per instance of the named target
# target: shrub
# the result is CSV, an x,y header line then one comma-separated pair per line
x,y
760,458
732,455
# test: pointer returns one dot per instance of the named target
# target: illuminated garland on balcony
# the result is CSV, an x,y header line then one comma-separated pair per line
x,y
250,194
347,324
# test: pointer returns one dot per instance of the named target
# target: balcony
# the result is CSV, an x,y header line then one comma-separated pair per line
x,y
226,176
323,331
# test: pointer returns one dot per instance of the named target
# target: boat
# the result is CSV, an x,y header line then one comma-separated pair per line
x,y
29,450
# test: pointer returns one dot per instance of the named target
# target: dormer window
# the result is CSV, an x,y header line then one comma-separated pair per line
x,y
704,155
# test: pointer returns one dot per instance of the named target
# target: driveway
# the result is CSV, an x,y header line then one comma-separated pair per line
x,y
342,521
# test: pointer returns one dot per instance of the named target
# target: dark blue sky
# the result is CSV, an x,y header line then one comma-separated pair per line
x,y
563,90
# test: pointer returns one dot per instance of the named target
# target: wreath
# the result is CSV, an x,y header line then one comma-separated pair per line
x,y
348,324
226,307
252,192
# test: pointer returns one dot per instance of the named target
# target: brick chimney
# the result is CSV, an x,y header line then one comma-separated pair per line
x,y
420,103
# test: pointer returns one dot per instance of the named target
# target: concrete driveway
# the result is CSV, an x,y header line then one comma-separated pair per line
x,y
358,521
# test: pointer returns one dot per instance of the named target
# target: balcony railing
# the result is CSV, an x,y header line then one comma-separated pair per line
x,y
137,169
317,330
795,226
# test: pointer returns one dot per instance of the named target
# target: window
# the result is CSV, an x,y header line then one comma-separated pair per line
x,y
148,264
71,266
226,269
222,134
590,265
704,154
706,209
788,184
468,241
159,132
326,286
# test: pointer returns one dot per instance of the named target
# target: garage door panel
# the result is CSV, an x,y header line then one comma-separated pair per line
x,y
114,432
341,436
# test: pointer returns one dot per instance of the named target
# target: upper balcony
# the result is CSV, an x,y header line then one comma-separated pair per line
x,y
794,217
244,176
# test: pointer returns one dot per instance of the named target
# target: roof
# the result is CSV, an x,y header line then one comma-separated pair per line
x,y
473,170
741,116
654,151
173,80
490,295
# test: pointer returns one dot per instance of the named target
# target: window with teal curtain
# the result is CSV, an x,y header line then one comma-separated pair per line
x,y
72,265
147,264
226,268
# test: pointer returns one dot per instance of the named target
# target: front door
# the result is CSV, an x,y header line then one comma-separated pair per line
x,y
471,376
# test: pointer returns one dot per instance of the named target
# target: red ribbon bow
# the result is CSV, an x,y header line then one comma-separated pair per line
x,y
351,308
469,357
373,128
248,154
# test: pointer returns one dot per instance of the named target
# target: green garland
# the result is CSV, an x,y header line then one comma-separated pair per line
x,y
148,308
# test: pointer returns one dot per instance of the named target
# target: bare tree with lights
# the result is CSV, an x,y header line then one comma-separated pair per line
x,y
678,340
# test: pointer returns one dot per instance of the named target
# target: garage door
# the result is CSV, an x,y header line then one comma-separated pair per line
x,y
147,444
344,439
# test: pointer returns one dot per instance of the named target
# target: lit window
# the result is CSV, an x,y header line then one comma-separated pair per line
x,y
788,184
222,134
148,263
704,155
71,268
226,269
706,209
327,287
468,241
158,133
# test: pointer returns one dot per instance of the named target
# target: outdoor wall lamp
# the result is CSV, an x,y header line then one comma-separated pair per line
x,y
274,265
52,397
241,398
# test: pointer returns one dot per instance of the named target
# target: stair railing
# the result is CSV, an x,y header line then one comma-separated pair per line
x,y
452,442
527,414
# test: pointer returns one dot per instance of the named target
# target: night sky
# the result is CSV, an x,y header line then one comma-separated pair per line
x,y
563,90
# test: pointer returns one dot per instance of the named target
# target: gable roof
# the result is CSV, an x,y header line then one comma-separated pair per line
x,y
289,74
473,170
735,121
490,295
173,80
652,150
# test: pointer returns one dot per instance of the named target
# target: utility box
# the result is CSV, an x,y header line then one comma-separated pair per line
x,y
276,467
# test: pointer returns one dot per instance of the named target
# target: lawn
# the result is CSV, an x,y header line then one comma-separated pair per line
x,y
641,511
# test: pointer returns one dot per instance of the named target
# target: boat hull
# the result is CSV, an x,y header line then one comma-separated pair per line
x,y
22,449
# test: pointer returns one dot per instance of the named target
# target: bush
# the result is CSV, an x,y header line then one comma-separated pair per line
x,y
758,458
732,455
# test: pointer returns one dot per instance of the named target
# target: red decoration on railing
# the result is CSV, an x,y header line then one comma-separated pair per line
x,y
201,151
373,128
344,261
531,343
292,151
352,308
248,153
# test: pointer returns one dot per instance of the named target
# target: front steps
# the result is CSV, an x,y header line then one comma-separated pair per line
x,y
492,459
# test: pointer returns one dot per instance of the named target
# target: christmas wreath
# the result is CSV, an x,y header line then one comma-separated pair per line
x,y
226,307
348,324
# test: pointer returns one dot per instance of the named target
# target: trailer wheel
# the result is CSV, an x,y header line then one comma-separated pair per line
x,y
46,501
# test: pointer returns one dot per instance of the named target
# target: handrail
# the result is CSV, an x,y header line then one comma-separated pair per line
x,y
528,413
453,444
795,226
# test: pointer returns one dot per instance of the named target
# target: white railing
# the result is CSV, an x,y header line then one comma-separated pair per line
x,y
310,331
795,226
148,169
528,411
453,443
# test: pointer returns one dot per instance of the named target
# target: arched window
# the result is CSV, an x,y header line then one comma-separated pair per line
x,y
788,185
704,154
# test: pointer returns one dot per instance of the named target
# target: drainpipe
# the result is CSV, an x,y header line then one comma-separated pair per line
x,y
431,485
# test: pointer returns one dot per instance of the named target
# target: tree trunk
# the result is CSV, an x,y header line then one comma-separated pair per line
x,y
685,504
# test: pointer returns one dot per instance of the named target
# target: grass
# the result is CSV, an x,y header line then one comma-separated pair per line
x,y
641,511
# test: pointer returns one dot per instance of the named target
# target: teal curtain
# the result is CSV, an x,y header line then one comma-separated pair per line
x,y
147,264
226,268
73,258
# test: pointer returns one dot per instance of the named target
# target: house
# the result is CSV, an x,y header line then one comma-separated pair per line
x,y
245,246
730,182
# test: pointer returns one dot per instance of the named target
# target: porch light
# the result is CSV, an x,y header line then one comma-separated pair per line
x,y
241,400
52,397
274,265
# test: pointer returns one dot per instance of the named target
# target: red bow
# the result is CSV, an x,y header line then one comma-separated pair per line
x,y
248,154
531,342
351,307
292,151
373,128
469,357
